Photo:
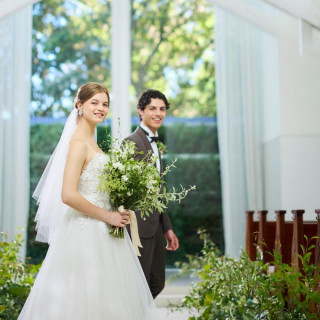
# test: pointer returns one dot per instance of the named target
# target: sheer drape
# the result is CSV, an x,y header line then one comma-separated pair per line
x,y
240,122
15,79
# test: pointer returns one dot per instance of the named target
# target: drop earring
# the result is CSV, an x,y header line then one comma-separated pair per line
x,y
80,112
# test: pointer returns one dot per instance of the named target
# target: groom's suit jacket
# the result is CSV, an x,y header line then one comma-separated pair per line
x,y
147,228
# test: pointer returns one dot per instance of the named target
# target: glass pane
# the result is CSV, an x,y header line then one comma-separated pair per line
x,y
173,52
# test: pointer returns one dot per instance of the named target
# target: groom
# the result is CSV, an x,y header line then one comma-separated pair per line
x,y
152,108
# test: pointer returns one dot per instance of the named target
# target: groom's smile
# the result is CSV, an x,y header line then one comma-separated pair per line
x,y
153,114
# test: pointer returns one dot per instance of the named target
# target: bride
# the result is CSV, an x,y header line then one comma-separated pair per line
x,y
87,274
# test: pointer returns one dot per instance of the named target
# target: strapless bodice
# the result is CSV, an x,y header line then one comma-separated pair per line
x,y
89,181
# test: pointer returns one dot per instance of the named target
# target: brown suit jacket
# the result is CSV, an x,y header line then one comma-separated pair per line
x,y
148,227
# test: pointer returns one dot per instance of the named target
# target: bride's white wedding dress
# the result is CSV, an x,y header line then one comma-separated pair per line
x,y
87,273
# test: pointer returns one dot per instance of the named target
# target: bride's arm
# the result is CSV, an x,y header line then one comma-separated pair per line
x,y
75,160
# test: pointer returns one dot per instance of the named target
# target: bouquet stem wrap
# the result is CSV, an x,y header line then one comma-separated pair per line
x,y
134,229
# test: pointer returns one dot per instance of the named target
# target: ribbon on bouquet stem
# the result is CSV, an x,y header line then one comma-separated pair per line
x,y
133,228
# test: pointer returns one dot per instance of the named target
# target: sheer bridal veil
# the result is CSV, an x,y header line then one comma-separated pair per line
x,y
48,191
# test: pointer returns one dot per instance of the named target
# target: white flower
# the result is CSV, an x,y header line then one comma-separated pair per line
x,y
118,165
151,183
116,149
124,177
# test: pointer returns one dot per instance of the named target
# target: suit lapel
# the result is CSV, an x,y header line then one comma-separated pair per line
x,y
143,137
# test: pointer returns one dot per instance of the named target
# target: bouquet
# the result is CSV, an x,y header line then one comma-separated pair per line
x,y
136,184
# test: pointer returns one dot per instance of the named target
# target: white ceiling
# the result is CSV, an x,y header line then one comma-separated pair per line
x,y
8,6
295,21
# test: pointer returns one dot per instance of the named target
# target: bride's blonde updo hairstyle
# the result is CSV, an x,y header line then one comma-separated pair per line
x,y
87,91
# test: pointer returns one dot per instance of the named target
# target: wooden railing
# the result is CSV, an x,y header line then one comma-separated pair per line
x,y
285,237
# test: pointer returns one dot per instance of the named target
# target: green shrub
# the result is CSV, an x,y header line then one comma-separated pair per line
x,y
202,208
16,278
243,289
184,138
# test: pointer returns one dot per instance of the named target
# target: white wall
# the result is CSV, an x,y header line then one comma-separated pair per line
x,y
292,151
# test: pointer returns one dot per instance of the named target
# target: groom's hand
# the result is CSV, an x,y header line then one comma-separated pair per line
x,y
172,240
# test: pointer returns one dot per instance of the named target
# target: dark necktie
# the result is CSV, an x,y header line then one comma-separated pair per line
x,y
153,139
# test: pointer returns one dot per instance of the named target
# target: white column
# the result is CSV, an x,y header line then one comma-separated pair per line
x,y
293,152
120,66
15,88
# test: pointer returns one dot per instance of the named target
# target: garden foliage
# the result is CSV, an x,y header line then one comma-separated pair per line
x,y
16,278
242,289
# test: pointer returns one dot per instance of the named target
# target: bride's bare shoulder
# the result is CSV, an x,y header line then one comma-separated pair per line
x,y
77,140
77,145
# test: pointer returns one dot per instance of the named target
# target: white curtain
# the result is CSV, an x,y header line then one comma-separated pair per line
x,y
15,88
240,123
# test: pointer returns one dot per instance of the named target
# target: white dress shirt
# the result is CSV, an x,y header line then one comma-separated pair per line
x,y
153,144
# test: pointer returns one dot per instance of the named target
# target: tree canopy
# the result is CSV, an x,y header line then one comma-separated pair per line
x,y
172,50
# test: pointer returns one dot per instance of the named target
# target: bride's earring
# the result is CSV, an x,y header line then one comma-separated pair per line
x,y
79,114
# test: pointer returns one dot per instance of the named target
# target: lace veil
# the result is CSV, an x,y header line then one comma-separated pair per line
x,y
48,191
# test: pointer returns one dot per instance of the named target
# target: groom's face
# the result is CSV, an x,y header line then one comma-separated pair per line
x,y
153,114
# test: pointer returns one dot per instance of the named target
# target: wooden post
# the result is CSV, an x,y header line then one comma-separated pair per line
x,y
317,254
250,248
317,251
297,238
280,233
262,232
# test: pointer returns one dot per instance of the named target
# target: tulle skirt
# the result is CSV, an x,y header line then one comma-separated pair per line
x,y
89,275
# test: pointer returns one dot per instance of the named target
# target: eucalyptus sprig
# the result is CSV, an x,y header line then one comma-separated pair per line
x,y
160,201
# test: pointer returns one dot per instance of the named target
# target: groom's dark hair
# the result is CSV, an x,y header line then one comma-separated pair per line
x,y
146,96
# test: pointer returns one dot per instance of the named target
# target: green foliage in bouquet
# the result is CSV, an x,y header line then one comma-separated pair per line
x,y
16,278
242,289
136,184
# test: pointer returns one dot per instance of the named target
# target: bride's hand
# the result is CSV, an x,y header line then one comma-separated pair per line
x,y
117,219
